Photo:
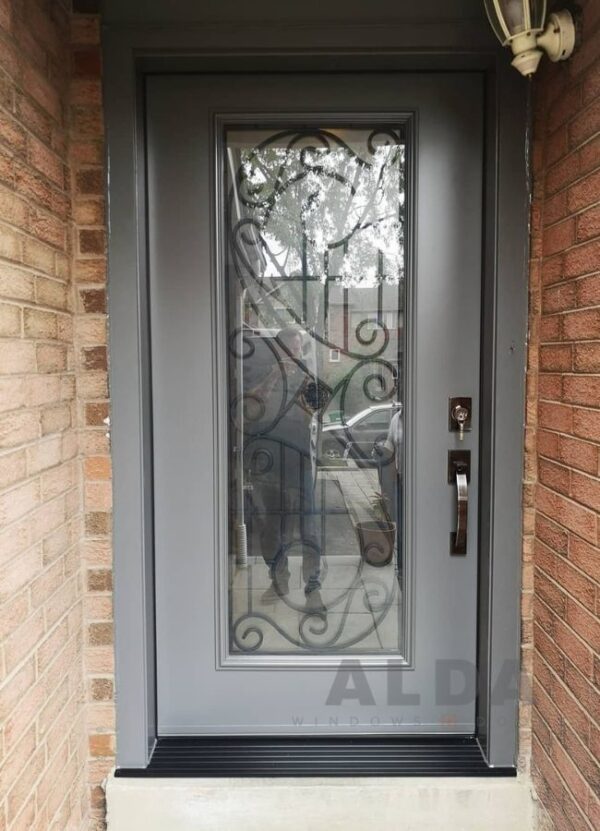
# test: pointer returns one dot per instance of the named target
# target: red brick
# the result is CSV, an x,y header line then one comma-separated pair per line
x,y
552,270
563,108
550,387
542,734
559,357
570,773
557,146
100,634
90,270
588,291
568,513
558,237
94,357
584,192
581,389
586,54
589,155
47,162
578,454
581,325
87,122
576,584
39,88
591,18
87,62
92,241
586,423
547,444
544,617
555,476
556,417
586,625
584,692
571,709
552,534
544,558
585,125
555,207
93,300
90,181
85,30
585,556
582,760
550,593
550,652
564,173
550,328
33,117
583,259
588,224
95,414
559,298
587,357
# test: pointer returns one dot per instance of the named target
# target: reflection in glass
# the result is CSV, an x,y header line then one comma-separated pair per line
x,y
314,274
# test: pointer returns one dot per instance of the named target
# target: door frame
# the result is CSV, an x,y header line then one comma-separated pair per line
x,y
132,52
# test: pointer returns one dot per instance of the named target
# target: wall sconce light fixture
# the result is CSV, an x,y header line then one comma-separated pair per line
x,y
520,25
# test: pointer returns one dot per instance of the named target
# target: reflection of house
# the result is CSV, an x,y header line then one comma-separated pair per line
x,y
359,321
357,335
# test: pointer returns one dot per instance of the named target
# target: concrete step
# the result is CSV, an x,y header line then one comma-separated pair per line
x,y
409,804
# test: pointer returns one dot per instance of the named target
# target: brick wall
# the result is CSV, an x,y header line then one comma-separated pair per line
x,y
42,716
89,272
562,490
56,653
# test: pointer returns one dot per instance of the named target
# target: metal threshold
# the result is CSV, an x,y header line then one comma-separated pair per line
x,y
245,756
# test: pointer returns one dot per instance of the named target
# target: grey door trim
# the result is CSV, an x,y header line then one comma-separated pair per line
x,y
129,51
225,660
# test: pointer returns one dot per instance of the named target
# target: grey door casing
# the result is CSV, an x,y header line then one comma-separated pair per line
x,y
196,691
132,51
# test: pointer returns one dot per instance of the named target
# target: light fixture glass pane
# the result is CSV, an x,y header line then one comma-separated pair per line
x,y
514,15
314,271
493,9
537,13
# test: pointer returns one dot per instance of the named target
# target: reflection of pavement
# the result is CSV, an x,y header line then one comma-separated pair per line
x,y
358,486
364,610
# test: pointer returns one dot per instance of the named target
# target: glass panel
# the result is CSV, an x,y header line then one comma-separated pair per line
x,y
514,15
495,16
537,13
314,274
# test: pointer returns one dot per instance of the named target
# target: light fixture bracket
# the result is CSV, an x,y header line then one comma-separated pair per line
x,y
558,38
527,36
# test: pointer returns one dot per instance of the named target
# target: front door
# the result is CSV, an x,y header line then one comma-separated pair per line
x,y
315,289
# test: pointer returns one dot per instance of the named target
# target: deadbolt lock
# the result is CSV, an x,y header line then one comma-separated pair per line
x,y
459,415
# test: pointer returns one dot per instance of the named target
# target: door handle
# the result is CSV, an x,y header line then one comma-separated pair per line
x,y
459,473
462,514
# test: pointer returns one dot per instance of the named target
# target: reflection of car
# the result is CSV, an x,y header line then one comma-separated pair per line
x,y
355,438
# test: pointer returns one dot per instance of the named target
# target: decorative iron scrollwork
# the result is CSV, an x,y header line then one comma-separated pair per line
x,y
310,220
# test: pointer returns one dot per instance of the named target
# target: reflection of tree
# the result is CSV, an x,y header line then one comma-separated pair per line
x,y
311,215
323,209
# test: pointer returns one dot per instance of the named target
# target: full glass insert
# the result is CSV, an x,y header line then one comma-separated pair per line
x,y
314,261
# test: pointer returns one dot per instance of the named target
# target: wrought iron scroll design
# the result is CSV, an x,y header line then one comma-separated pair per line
x,y
272,286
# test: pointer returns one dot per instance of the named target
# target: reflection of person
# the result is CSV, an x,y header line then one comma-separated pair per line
x,y
283,492
391,456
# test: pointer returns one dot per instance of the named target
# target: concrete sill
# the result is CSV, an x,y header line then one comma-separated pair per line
x,y
415,804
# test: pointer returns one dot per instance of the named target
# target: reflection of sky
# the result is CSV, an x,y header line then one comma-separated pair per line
x,y
340,199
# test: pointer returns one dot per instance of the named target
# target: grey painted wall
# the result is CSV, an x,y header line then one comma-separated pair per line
x,y
199,11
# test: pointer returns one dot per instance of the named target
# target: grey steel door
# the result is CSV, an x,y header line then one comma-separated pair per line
x,y
315,268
